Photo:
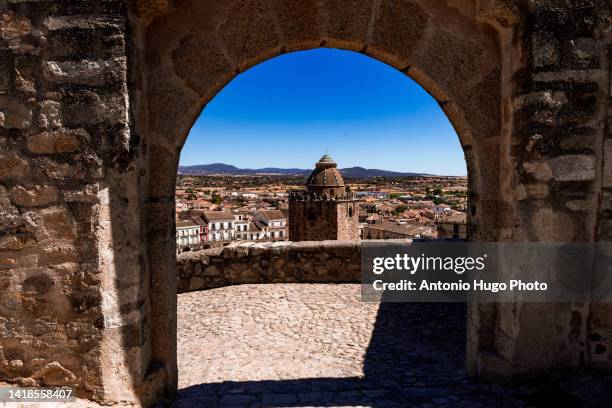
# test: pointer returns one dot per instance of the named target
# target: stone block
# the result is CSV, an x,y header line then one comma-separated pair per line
x,y
347,22
15,115
584,52
601,315
552,226
581,205
14,26
25,74
574,167
49,116
544,49
398,29
56,224
12,166
300,23
33,196
88,72
54,374
82,22
174,107
207,75
61,141
249,32
44,169
554,99
9,214
540,170
88,107
532,190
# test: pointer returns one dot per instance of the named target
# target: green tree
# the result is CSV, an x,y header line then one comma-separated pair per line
x,y
216,199
400,209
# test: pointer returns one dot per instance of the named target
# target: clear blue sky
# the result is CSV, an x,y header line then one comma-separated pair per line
x,y
286,111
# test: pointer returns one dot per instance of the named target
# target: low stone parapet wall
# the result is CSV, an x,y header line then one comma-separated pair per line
x,y
270,262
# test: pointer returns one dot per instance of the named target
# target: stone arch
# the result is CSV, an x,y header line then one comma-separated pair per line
x,y
93,104
191,51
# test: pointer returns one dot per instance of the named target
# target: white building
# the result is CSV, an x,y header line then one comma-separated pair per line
x,y
220,225
274,221
441,209
187,234
241,227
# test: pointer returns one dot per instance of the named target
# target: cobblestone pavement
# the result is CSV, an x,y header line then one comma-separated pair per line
x,y
286,345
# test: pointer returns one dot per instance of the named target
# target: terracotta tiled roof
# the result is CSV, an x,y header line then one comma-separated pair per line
x,y
272,214
217,216
186,224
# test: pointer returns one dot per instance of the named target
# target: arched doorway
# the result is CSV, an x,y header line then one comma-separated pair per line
x,y
195,50
278,115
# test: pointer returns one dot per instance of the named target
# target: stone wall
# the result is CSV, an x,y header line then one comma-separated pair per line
x,y
63,124
318,219
279,262
97,98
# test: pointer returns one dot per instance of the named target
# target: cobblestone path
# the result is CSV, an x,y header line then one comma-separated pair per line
x,y
287,345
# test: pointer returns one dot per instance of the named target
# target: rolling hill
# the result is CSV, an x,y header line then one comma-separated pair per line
x,y
221,169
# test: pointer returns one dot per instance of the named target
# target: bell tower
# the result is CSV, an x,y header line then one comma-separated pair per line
x,y
324,210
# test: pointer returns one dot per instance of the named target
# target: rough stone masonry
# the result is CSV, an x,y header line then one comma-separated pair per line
x,y
97,98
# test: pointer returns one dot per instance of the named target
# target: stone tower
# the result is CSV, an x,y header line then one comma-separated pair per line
x,y
324,210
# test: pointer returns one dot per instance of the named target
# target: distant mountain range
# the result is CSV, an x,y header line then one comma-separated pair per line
x,y
229,170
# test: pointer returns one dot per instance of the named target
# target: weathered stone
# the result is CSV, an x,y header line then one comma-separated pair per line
x,y
553,226
33,196
347,22
271,262
90,72
49,116
506,13
9,214
47,169
539,170
579,205
69,62
56,223
12,166
148,9
544,49
214,73
607,163
17,241
61,141
80,22
457,65
38,284
248,32
601,315
532,190
398,30
89,194
25,71
544,98
573,167
88,107
55,374
585,51
15,115
299,23
14,26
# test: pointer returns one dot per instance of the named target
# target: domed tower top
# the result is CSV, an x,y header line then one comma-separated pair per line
x,y
326,179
